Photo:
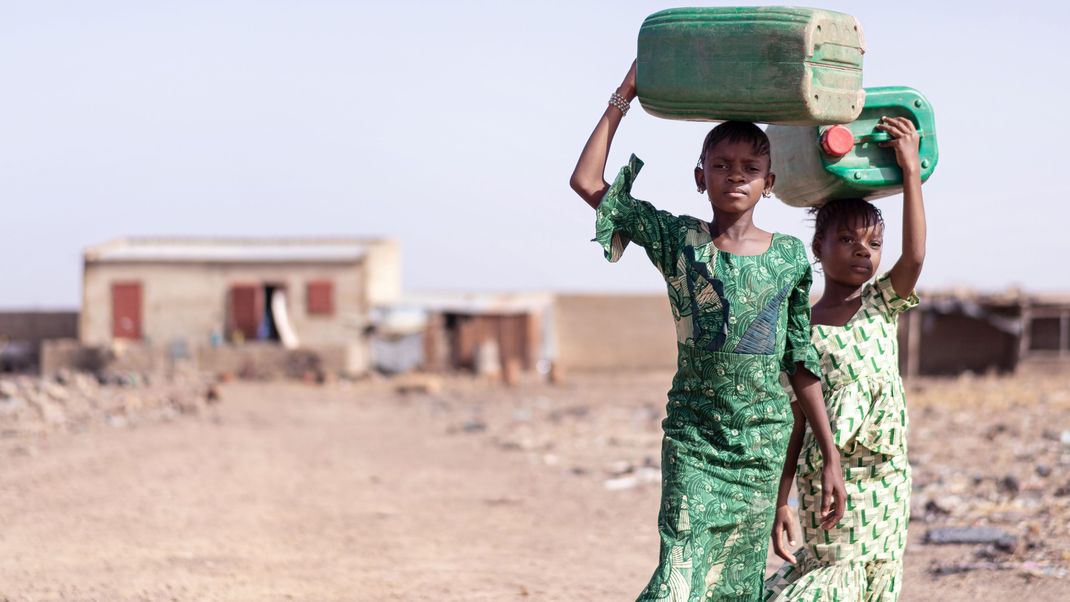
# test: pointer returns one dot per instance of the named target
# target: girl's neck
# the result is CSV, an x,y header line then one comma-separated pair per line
x,y
732,226
839,293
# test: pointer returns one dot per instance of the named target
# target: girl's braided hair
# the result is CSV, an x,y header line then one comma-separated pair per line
x,y
736,131
843,212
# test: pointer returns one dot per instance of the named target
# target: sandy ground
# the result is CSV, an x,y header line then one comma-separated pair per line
x,y
472,492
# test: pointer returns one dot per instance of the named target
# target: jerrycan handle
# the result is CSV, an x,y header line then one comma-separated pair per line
x,y
881,137
838,140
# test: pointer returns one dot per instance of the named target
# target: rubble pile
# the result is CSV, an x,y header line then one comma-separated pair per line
x,y
75,401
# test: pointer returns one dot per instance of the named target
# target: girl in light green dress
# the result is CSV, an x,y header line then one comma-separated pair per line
x,y
740,303
854,330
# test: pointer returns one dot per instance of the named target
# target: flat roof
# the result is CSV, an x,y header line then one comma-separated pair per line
x,y
231,250
472,302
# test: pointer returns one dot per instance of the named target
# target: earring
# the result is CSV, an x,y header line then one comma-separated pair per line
x,y
767,194
701,189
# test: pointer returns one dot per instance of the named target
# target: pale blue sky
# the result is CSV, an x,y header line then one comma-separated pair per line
x,y
454,127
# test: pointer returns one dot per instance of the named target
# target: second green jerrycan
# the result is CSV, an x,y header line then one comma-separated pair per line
x,y
814,165
771,64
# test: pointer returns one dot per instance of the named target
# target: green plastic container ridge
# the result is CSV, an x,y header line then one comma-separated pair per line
x,y
768,64
816,164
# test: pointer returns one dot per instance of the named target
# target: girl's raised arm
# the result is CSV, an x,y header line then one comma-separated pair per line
x,y
904,274
588,179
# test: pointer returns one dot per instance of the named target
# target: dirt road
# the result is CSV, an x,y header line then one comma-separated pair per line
x,y
355,492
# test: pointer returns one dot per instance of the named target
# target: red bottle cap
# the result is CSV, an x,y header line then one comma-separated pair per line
x,y
837,141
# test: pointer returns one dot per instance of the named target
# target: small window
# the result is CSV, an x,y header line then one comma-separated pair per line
x,y
319,298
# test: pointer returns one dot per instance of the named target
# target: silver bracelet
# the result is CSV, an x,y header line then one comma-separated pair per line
x,y
616,100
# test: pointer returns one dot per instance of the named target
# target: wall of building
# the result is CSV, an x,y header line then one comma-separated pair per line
x,y
36,326
188,302
383,278
955,343
23,332
608,332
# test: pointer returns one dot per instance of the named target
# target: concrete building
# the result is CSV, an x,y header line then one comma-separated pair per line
x,y
958,331
190,294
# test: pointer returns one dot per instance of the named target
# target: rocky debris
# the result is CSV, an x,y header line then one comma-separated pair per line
x,y
1030,569
1008,485
972,535
986,452
474,425
642,476
418,384
75,401
990,458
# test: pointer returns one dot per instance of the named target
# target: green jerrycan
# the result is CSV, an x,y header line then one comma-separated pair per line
x,y
821,163
768,64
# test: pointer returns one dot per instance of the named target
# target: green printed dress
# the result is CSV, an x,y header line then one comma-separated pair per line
x,y
861,559
740,322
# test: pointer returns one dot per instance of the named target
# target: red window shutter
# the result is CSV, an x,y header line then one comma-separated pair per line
x,y
319,298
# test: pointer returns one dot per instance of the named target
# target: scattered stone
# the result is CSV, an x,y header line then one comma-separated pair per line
x,y
24,450
503,501
1009,485
1043,470
577,411
642,476
1032,569
941,569
419,384
51,413
971,535
944,506
10,406
620,468
8,389
474,425
995,430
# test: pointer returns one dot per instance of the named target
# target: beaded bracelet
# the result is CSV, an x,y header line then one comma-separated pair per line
x,y
616,100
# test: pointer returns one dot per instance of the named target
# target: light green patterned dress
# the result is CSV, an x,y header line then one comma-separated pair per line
x,y
740,322
861,559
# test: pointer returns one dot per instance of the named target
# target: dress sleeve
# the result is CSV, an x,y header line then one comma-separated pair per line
x,y
889,302
621,218
798,347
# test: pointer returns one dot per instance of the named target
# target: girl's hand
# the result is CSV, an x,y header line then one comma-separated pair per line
x,y
627,87
904,142
785,527
833,493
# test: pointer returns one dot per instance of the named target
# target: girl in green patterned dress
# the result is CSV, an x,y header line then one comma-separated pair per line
x,y
740,299
854,329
